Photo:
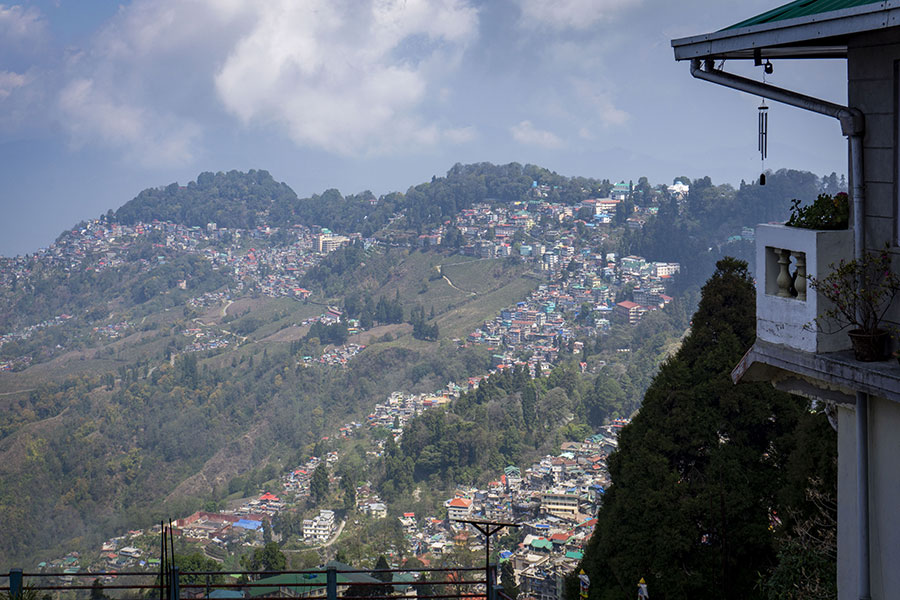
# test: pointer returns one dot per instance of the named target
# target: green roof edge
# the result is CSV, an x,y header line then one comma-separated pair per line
x,y
798,9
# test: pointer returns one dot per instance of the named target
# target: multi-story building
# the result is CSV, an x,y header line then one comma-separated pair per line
x,y
662,269
628,312
862,397
326,242
319,528
560,503
459,508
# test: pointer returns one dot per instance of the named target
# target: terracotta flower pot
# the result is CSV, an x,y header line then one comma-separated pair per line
x,y
869,346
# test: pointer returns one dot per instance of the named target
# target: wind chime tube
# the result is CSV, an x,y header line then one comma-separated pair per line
x,y
763,130
763,139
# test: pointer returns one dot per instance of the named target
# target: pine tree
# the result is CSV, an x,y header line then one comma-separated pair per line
x,y
318,484
700,468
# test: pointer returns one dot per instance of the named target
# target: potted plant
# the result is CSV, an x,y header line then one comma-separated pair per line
x,y
827,212
861,292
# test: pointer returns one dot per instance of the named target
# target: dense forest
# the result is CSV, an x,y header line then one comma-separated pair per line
x,y
232,199
246,200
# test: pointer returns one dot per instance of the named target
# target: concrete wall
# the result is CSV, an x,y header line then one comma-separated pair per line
x,y
872,88
884,500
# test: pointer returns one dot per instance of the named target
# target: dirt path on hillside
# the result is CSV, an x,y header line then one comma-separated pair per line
x,y
450,283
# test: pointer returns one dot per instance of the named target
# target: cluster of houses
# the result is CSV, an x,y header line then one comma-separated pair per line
x,y
112,331
553,502
210,299
116,554
205,339
26,332
98,245
582,302
336,357
296,481
400,407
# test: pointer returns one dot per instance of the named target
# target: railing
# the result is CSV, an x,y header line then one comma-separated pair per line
x,y
320,584
787,283
786,306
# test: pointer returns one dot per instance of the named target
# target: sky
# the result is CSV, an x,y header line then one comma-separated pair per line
x,y
100,100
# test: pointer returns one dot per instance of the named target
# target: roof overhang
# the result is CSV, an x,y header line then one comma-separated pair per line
x,y
833,377
822,35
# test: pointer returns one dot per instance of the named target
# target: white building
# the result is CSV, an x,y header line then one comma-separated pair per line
x,y
319,528
458,508
662,269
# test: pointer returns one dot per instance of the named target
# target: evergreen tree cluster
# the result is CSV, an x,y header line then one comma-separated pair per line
x,y
421,329
233,200
710,479
335,333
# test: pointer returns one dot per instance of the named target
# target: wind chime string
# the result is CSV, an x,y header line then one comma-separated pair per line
x,y
763,136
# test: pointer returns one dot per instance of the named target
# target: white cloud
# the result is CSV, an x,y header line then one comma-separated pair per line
x,y
347,77
526,133
144,83
570,14
461,135
352,77
18,24
9,81
92,115
599,102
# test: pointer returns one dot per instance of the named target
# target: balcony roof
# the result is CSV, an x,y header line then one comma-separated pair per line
x,y
800,29
834,376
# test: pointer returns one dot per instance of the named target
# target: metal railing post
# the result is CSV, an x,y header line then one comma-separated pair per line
x,y
176,585
15,583
331,583
492,583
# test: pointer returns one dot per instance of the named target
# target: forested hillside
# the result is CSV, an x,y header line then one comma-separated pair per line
x,y
152,364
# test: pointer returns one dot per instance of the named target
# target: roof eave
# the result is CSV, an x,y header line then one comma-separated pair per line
x,y
791,38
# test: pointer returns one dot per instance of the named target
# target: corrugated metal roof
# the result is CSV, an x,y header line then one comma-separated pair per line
x,y
800,8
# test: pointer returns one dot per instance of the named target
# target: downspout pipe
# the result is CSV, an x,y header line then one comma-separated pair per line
x,y
853,126
862,491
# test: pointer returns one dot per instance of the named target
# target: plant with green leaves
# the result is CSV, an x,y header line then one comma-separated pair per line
x,y
861,292
827,212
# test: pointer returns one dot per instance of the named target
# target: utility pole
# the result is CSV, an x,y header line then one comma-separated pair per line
x,y
487,529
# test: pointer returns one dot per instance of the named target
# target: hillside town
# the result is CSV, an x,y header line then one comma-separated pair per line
x,y
585,291
552,500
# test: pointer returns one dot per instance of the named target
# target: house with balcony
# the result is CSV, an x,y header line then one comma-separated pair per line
x,y
863,398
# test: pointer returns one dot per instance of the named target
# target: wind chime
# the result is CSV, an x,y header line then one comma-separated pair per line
x,y
763,120
763,138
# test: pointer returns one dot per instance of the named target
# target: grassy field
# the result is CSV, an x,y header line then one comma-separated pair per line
x,y
477,290
465,318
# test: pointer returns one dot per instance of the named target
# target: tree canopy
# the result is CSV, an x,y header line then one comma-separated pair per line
x,y
705,467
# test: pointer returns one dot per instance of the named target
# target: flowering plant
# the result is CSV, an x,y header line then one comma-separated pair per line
x,y
861,291
826,212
